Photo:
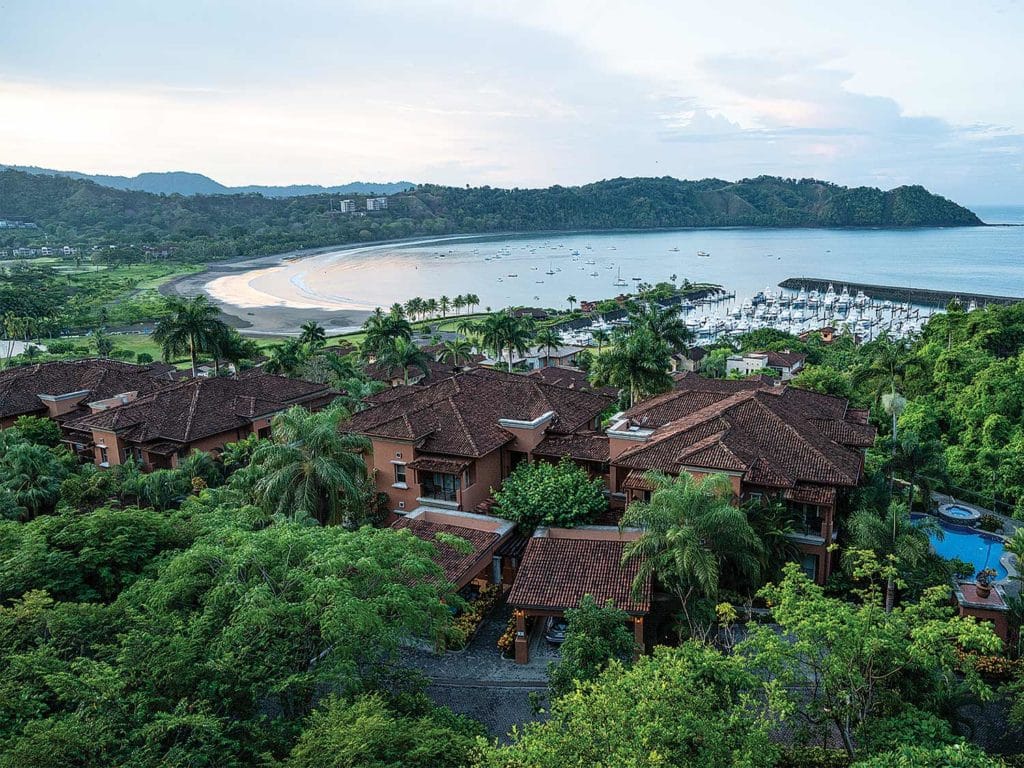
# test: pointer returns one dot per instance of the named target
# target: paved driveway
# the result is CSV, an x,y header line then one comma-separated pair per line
x,y
478,682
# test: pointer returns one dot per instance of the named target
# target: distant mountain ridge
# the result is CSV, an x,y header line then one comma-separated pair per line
x,y
187,183
205,228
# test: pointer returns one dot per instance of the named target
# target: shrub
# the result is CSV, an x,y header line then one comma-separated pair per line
x,y
541,493
144,358
990,523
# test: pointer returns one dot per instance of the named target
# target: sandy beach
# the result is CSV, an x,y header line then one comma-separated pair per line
x,y
258,297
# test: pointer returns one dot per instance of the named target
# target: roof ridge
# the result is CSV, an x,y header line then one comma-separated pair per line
x,y
465,427
193,406
793,430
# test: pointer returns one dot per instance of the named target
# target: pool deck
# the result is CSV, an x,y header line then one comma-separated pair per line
x,y
1012,584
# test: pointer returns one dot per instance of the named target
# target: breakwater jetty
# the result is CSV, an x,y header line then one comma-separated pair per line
x,y
924,296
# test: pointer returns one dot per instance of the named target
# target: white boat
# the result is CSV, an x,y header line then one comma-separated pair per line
x,y
619,281
704,254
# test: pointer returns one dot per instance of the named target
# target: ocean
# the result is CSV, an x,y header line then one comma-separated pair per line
x,y
545,269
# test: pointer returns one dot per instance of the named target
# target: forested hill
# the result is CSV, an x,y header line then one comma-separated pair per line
x,y
184,183
218,226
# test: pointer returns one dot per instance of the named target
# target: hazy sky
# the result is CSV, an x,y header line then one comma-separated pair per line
x,y
520,93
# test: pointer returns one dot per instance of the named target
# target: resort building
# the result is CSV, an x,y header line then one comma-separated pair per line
x,y
774,443
481,562
447,444
161,427
347,206
537,357
786,364
563,565
60,390
376,204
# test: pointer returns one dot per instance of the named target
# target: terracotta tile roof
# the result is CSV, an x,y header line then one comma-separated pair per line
x,y
434,371
455,564
584,446
203,407
459,416
811,494
636,480
570,378
783,359
555,574
437,464
21,386
775,436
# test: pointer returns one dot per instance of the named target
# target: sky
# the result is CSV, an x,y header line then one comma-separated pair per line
x,y
520,93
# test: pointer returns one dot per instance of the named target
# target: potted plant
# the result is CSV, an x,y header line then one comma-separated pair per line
x,y
984,581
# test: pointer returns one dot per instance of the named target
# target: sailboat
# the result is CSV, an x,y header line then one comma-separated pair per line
x,y
550,270
618,280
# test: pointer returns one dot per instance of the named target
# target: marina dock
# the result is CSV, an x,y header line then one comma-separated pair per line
x,y
918,296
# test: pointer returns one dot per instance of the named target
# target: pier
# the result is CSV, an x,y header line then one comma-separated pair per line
x,y
919,296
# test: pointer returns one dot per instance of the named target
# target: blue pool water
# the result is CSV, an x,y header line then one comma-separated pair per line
x,y
971,546
954,511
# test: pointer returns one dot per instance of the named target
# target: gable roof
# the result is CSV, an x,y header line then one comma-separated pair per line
x,y
570,378
775,436
202,407
453,562
96,378
460,415
555,574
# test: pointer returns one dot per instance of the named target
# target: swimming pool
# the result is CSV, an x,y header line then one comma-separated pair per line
x,y
981,549
960,512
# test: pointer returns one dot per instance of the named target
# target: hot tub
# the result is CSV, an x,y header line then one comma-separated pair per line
x,y
959,514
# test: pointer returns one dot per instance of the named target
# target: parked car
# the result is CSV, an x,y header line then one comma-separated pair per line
x,y
554,629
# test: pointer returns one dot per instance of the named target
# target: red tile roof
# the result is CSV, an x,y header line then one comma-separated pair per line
x,y
823,496
456,564
570,378
203,407
555,574
21,386
775,436
437,464
583,446
459,416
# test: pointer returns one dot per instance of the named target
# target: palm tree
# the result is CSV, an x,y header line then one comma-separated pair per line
x,y
397,310
312,335
922,463
549,339
504,331
691,533
105,345
444,305
456,352
637,363
381,333
431,307
309,468
600,338
458,303
230,346
404,354
665,322
285,358
571,301
193,326
893,537
413,307
472,300
32,475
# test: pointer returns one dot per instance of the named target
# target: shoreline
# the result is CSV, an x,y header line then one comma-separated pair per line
x,y
256,311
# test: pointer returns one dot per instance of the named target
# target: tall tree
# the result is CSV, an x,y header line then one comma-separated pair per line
x,y
548,339
571,301
504,332
405,355
382,330
665,323
895,539
313,335
192,326
444,304
601,338
310,469
456,352
638,363
691,532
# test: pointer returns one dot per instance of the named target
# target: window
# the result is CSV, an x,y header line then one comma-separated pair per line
x,y
104,460
399,474
809,565
470,475
807,518
442,487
